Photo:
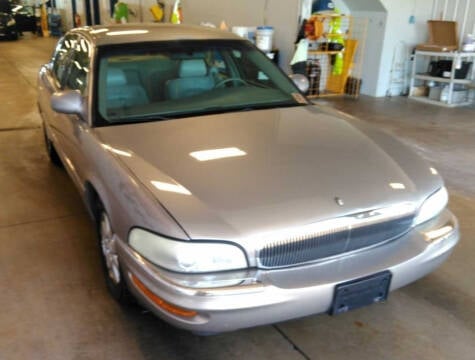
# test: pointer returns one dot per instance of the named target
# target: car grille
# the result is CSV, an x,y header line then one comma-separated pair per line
x,y
349,234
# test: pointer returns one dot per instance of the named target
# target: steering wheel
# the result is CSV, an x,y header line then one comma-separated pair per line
x,y
225,81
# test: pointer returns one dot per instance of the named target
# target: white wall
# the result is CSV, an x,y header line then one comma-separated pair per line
x,y
389,24
281,14
399,30
462,11
372,57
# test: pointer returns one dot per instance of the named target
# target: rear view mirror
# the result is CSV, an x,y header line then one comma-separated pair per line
x,y
301,81
68,102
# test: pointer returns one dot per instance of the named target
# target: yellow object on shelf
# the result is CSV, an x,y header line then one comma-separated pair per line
x,y
336,82
339,52
157,12
176,16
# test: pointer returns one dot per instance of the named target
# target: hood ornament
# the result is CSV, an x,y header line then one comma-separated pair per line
x,y
339,201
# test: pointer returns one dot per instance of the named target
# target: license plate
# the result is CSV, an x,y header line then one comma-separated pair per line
x,y
361,292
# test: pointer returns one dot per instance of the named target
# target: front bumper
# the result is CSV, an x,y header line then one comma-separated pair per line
x,y
7,32
270,296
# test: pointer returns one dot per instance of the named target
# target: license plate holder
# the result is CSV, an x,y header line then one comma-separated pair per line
x,y
361,292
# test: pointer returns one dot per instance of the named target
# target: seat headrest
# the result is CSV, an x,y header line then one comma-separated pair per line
x,y
116,77
192,68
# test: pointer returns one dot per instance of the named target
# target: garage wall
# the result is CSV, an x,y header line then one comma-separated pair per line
x,y
376,30
462,11
401,35
283,15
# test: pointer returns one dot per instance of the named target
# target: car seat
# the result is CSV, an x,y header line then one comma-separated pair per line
x,y
121,94
193,79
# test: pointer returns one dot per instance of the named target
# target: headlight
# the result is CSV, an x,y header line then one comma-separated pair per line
x,y
432,206
186,256
11,22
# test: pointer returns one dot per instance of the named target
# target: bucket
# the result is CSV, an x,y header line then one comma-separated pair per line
x,y
264,35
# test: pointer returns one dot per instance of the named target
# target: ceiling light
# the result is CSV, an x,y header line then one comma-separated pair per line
x,y
397,186
127,32
214,154
171,187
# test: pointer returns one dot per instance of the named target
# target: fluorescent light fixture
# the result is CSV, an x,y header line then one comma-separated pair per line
x,y
127,32
397,186
214,154
171,187
116,151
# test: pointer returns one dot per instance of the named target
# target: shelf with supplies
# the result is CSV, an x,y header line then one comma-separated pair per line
x,y
449,80
335,54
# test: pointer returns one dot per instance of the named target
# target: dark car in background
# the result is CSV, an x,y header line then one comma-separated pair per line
x,y
8,29
25,18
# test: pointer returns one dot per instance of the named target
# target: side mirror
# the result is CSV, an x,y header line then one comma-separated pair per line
x,y
301,81
68,102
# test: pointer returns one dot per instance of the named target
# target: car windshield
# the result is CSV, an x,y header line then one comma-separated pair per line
x,y
165,80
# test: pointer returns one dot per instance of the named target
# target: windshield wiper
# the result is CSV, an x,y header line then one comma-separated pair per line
x,y
137,118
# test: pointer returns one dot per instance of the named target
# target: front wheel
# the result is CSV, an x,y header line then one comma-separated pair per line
x,y
14,36
51,151
110,259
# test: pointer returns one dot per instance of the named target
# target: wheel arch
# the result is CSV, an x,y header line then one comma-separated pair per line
x,y
93,200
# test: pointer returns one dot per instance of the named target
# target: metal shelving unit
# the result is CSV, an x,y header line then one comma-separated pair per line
x,y
348,79
423,78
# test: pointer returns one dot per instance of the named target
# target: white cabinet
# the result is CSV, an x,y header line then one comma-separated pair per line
x,y
449,85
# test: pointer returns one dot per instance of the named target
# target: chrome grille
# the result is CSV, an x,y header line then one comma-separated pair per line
x,y
363,231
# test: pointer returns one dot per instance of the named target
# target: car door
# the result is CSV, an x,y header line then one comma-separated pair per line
x,y
69,70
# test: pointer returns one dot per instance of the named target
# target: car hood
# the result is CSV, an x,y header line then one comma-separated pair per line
x,y
296,166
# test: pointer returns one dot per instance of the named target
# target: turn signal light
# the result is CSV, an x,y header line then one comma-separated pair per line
x,y
160,302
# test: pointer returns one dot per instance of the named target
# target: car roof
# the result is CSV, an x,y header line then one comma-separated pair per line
x,y
132,33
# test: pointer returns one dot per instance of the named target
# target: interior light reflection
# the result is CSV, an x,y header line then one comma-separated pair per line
x,y
397,186
214,154
116,151
98,31
127,32
433,171
176,188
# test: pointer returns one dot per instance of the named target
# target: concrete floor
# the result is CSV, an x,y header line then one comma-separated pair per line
x,y
54,304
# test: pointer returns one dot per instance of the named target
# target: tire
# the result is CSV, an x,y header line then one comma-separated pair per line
x,y
14,36
51,151
113,275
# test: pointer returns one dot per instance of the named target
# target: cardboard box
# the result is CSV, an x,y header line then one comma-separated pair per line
x,y
442,36
419,90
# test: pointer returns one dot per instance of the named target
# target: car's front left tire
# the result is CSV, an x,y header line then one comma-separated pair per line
x,y
14,36
51,151
110,258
